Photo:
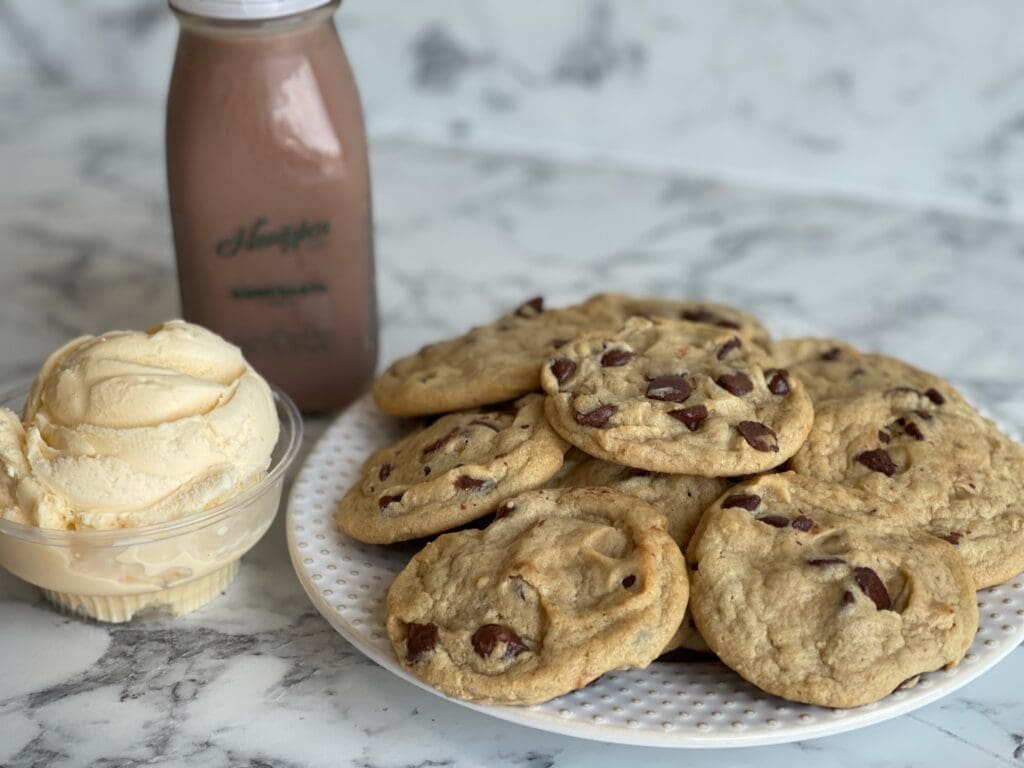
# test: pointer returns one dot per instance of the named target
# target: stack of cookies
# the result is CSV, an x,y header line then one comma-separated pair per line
x,y
630,476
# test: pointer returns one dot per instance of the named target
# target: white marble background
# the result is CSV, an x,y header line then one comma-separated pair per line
x,y
258,679
917,101
920,102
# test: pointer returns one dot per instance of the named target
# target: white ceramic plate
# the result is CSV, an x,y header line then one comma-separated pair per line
x,y
681,704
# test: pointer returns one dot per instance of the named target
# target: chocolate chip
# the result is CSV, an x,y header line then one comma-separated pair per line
x,y
729,346
877,460
830,355
747,501
490,636
803,523
505,510
775,521
532,307
691,417
562,368
420,641
699,315
913,430
482,423
737,383
629,581
597,417
705,315
426,471
778,381
385,501
847,598
924,415
758,436
884,436
873,587
953,537
440,442
616,357
467,483
559,343
821,562
671,388
934,395
385,472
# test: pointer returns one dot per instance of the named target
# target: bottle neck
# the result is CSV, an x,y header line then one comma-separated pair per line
x,y
256,27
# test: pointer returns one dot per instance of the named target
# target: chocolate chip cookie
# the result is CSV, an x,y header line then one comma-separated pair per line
x,y
948,470
459,468
681,498
705,312
831,370
674,396
489,364
564,586
810,592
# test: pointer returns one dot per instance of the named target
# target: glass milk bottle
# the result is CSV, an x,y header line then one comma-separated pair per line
x,y
270,194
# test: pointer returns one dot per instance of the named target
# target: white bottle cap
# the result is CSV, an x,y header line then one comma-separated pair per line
x,y
245,9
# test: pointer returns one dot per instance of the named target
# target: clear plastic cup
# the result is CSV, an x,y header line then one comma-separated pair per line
x,y
173,567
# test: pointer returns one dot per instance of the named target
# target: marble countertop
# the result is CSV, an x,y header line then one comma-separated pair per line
x,y
777,94
258,678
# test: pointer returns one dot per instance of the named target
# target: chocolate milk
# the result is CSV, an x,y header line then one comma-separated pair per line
x,y
270,199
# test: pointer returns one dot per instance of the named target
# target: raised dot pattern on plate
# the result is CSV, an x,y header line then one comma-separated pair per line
x,y
683,704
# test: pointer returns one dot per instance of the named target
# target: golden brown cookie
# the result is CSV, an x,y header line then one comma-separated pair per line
x,y
947,470
679,397
489,364
565,586
831,370
459,468
691,310
811,592
681,498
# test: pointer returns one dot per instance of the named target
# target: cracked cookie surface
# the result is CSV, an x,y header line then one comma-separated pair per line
x,y
681,498
490,364
679,397
831,370
460,468
948,470
562,587
811,592
694,311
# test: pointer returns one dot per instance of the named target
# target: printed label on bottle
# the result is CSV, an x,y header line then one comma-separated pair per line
x,y
287,238
283,285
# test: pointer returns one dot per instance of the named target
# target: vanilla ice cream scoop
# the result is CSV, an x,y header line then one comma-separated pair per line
x,y
135,428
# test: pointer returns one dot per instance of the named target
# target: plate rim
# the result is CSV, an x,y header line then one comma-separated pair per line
x,y
612,733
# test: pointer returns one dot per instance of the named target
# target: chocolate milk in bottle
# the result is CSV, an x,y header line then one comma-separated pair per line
x,y
270,194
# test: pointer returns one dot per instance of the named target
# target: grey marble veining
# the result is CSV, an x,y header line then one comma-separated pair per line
x,y
914,101
258,678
